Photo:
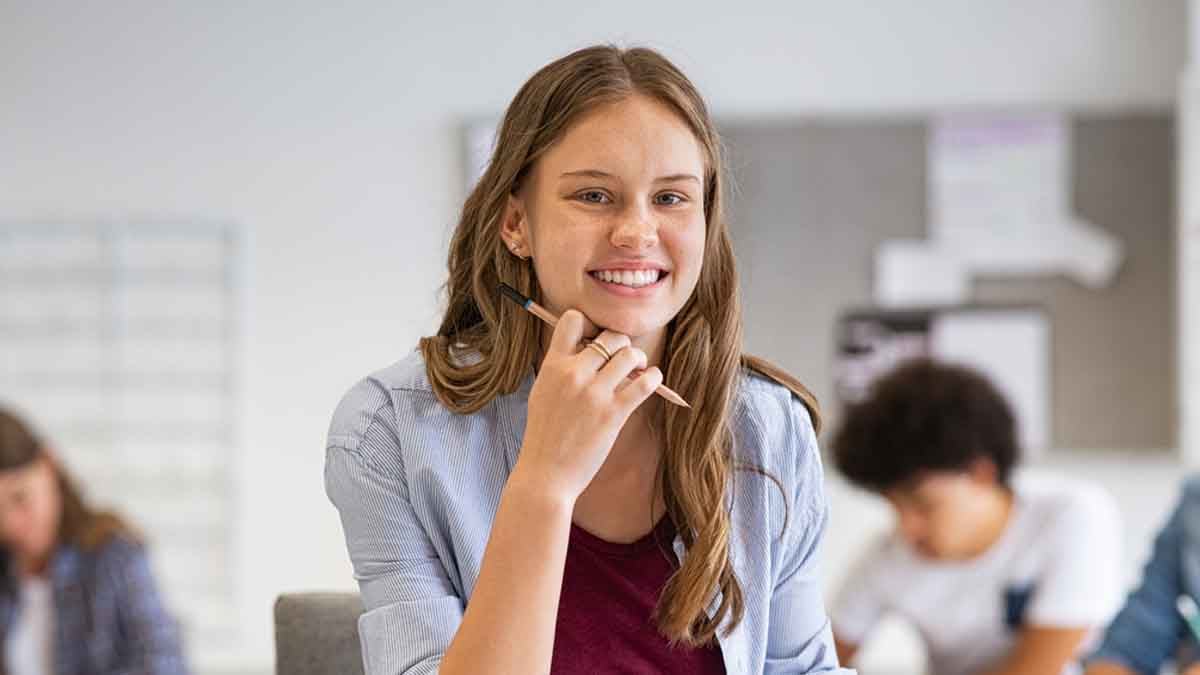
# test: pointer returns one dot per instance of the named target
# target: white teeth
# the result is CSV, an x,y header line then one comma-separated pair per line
x,y
631,278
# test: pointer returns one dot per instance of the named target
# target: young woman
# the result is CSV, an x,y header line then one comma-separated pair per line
x,y
513,500
76,592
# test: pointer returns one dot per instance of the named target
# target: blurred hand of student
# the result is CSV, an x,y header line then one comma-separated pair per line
x,y
1192,670
1041,649
577,406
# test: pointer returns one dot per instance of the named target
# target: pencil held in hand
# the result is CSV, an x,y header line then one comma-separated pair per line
x,y
548,317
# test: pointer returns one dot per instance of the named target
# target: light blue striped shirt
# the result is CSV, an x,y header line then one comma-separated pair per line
x,y
418,487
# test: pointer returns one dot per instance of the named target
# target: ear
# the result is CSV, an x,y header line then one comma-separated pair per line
x,y
50,459
983,472
514,228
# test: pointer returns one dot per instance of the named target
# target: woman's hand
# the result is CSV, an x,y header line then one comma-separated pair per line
x,y
577,407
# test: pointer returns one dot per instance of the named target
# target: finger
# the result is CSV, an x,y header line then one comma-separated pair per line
x,y
612,342
567,333
590,330
639,390
629,380
623,363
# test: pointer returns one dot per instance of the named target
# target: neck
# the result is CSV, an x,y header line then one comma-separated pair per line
x,y
640,441
31,566
623,495
654,345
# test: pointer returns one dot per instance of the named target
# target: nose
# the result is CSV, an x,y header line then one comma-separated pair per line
x,y
637,231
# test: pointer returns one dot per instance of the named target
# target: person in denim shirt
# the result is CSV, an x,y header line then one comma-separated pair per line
x,y
1149,630
77,596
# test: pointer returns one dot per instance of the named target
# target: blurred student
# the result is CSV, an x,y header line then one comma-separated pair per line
x,y
76,593
999,577
1150,630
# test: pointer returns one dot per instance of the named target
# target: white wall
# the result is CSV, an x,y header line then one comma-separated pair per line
x,y
1188,260
331,132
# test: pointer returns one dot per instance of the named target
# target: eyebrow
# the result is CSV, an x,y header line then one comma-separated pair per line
x,y
595,173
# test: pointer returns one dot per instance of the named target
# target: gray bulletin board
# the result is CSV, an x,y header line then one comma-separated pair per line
x,y
810,201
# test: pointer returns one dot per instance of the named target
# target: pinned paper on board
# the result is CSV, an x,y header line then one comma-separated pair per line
x,y
999,206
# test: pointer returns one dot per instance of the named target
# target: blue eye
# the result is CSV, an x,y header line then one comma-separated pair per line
x,y
672,197
594,197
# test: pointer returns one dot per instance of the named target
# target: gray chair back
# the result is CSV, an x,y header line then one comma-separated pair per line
x,y
317,634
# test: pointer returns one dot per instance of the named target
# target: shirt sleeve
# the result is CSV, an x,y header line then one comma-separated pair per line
x,y
151,643
800,639
411,610
1147,630
860,602
1079,588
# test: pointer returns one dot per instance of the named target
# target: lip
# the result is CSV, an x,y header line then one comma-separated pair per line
x,y
629,265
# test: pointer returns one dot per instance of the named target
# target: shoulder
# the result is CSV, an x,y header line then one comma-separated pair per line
x,y
1191,491
121,556
392,421
775,446
376,401
406,375
773,428
1070,505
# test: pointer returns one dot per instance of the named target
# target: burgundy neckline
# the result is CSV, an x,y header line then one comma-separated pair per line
x,y
663,534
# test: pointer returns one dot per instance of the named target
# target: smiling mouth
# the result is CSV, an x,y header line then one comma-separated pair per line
x,y
630,278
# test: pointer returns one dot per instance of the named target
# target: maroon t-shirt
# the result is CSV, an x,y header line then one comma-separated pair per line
x,y
606,611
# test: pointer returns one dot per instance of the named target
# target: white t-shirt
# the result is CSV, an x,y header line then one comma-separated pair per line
x,y
1056,564
29,649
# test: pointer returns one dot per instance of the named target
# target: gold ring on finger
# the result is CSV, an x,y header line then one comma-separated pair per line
x,y
601,350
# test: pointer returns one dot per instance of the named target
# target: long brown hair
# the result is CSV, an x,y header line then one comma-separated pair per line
x,y
703,357
79,524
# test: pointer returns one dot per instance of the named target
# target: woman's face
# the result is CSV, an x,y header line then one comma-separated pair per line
x,y
613,217
30,507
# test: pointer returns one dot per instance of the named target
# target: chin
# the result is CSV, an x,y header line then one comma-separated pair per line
x,y
931,553
634,327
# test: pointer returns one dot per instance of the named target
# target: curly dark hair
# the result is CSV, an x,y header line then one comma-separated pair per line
x,y
925,416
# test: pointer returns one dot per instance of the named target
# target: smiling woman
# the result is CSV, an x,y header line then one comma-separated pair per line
x,y
513,500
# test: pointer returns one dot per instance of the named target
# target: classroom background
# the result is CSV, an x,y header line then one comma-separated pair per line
x,y
215,217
